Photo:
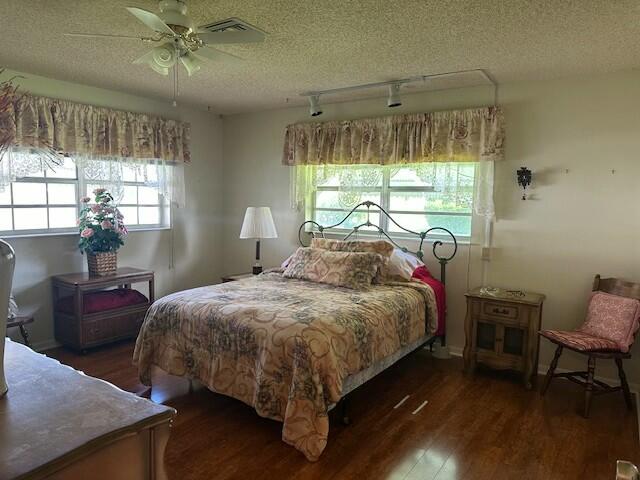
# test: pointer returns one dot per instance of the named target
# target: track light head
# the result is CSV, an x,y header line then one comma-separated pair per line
x,y
394,96
314,105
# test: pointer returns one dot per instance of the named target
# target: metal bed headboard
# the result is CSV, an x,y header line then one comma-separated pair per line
x,y
422,236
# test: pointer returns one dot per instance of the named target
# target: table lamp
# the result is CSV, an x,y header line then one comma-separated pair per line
x,y
258,224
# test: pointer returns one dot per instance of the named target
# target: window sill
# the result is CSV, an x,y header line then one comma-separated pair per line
x,y
75,233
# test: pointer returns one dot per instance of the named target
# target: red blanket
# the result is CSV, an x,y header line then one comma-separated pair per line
x,y
423,274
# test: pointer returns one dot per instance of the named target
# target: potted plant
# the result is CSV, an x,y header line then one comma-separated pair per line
x,y
101,233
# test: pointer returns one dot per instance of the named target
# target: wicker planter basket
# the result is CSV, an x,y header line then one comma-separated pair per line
x,y
101,264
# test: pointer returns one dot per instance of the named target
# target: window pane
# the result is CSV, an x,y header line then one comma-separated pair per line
x,y
5,219
148,196
62,217
30,218
130,215
62,194
149,215
450,201
29,193
66,170
5,196
89,188
130,196
408,201
344,199
357,218
457,224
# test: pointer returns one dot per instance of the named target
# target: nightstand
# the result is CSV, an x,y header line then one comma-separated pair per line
x,y
501,330
238,276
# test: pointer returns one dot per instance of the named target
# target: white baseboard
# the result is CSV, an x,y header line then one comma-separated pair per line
x,y
45,345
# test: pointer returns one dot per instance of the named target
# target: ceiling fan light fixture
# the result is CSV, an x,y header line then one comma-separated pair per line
x,y
164,55
190,62
314,105
394,96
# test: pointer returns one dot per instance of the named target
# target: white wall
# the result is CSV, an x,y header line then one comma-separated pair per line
x,y
194,239
576,225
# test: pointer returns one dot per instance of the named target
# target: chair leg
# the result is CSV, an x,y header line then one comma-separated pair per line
x,y
624,384
589,390
552,369
25,335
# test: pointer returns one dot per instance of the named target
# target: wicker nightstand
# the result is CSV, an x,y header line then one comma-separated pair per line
x,y
501,331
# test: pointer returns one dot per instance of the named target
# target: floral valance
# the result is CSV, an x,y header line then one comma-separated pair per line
x,y
76,129
458,135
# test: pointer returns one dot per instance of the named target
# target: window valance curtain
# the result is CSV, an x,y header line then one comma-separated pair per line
x,y
76,129
472,135
102,141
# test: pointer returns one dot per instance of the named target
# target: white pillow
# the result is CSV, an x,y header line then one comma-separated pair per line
x,y
401,264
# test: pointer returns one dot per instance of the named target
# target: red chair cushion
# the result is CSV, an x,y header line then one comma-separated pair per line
x,y
94,302
580,341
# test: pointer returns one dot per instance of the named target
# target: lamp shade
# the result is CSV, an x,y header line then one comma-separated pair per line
x,y
258,223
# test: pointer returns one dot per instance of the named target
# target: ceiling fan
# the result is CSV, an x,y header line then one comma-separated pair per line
x,y
178,39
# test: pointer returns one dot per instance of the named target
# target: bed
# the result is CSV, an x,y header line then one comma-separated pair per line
x,y
290,348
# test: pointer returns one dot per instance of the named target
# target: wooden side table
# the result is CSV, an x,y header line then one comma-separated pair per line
x,y
81,330
501,331
238,276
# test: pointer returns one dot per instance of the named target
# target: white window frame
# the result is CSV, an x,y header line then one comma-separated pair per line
x,y
385,194
80,183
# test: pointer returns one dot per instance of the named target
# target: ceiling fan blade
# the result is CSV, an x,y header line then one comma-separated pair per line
x,y
105,35
151,20
146,58
210,53
229,36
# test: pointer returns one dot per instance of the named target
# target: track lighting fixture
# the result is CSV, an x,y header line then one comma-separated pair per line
x,y
314,105
394,86
394,95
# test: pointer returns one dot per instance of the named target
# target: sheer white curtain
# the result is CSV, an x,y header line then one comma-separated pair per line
x,y
107,172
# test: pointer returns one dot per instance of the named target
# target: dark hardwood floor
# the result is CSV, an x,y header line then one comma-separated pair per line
x,y
485,427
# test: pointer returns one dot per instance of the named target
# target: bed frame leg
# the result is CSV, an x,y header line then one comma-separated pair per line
x,y
344,411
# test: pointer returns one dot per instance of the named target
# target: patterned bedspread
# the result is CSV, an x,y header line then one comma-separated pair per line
x,y
281,345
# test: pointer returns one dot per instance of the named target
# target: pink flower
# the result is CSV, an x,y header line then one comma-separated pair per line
x,y
106,225
95,208
99,191
85,199
87,232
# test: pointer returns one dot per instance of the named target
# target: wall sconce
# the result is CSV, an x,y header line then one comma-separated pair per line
x,y
524,180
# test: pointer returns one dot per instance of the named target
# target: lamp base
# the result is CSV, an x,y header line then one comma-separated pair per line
x,y
257,269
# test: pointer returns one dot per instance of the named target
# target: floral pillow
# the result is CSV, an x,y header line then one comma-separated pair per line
x,y
382,247
613,318
343,269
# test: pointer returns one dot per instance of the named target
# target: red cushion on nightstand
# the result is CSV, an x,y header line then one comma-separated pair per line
x,y
105,300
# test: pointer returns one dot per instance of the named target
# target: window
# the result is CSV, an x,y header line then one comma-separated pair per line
x,y
47,201
418,197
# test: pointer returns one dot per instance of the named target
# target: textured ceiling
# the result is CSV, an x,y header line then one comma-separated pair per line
x,y
321,44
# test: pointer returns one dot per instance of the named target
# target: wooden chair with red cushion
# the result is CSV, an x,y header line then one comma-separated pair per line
x,y
613,318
